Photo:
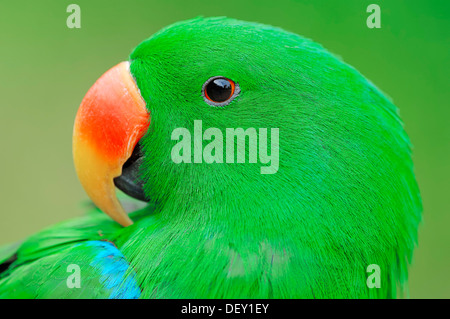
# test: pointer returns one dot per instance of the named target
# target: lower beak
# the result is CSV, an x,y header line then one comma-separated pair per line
x,y
111,120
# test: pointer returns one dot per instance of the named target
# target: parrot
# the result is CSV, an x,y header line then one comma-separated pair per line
x,y
338,217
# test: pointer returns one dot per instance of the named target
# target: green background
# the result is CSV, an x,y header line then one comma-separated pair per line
x,y
46,68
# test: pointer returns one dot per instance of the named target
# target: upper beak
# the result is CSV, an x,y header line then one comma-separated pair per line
x,y
111,120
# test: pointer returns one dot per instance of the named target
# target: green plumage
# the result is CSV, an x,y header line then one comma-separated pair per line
x,y
344,196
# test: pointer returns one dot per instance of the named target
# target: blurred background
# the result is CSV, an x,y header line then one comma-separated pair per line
x,y
46,69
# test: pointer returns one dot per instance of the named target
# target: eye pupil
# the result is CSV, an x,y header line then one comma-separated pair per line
x,y
219,90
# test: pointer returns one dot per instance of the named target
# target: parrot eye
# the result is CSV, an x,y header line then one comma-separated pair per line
x,y
219,91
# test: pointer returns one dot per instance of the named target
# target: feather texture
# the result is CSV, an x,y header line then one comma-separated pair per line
x,y
344,196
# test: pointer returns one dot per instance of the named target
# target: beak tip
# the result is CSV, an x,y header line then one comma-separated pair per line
x,y
126,221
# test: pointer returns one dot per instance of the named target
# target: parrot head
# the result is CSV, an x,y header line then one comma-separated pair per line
x,y
343,192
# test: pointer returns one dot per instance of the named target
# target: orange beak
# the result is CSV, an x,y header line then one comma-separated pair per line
x,y
111,120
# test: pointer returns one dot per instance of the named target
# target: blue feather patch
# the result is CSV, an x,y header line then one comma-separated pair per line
x,y
115,273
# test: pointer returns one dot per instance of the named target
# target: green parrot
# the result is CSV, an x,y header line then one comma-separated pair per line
x,y
334,214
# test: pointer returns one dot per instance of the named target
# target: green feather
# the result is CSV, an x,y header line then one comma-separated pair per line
x,y
344,196
7,252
